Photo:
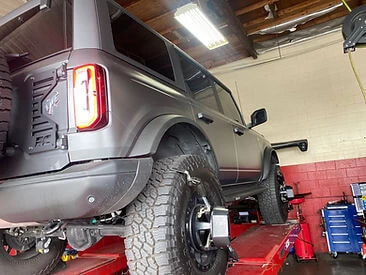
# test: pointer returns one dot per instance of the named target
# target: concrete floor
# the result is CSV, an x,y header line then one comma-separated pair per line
x,y
344,264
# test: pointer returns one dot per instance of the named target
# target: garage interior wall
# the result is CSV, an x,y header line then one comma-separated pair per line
x,y
310,92
6,6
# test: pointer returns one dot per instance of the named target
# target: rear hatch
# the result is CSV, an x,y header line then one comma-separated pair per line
x,y
37,43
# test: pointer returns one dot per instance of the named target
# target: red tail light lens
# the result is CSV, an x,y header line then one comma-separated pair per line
x,y
90,101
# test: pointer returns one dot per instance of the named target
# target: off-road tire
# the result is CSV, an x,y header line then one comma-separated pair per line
x,y
39,264
156,242
273,209
5,101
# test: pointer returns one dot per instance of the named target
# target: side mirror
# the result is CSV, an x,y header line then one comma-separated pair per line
x,y
258,117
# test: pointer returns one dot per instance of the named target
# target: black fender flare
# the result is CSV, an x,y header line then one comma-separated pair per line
x,y
148,140
268,156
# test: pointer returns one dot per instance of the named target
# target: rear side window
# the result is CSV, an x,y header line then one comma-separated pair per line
x,y
199,83
138,43
227,103
38,33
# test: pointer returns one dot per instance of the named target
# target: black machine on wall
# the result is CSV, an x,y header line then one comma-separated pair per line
x,y
354,29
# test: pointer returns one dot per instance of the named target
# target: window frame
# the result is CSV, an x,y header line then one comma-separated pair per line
x,y
217,82
181,55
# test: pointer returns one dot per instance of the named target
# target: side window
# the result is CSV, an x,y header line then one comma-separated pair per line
x,y
138,43
228,104
199,83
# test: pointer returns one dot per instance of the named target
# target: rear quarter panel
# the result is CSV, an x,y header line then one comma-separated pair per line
x,y
134,99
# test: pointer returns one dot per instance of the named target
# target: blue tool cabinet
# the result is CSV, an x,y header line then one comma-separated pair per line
x,y
343,232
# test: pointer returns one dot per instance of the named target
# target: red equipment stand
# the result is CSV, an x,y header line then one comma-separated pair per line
x,y
262,249
303,246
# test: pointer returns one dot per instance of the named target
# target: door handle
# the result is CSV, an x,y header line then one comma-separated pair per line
x,y
205,118
238,131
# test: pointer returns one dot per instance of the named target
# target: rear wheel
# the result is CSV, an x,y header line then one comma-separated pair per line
x,y
165,232
5,101
272,202
18,255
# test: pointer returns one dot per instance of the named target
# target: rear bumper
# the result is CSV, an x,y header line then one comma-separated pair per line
x,y
80,191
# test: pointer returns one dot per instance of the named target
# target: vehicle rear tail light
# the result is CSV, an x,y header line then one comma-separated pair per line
x,y
90,99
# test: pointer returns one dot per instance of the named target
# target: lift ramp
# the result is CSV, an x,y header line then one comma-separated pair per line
x,y
262,250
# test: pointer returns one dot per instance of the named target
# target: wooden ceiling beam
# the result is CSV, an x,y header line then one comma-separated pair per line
x,y
295,11
210,60
227,14
320,20
223,7
160,17
302,6
197,48
286,15
255,6
260,38
172,27
164,23
126,3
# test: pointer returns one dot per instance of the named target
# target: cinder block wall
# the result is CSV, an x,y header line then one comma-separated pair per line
x,y
326,181
310,93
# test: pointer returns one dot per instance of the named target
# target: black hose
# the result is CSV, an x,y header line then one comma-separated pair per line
x,y
305,241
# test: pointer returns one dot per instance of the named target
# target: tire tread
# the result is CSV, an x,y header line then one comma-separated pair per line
x,y
5,100
150,244
270,203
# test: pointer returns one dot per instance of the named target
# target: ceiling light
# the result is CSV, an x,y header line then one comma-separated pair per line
x,y
193,19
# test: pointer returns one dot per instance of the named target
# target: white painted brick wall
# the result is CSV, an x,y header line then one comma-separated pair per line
x,y
7,6
311,93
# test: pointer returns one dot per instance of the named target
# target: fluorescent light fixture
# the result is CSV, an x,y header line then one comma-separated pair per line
x,y
193,19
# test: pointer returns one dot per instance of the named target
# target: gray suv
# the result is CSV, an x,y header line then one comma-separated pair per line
x,y
108,129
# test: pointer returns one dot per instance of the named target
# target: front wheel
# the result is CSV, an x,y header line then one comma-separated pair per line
x,y
18,255
273,204
166,232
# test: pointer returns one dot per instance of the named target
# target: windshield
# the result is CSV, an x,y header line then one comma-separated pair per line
x,y
37,33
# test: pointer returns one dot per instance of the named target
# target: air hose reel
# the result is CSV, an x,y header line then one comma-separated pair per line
x,y
354,29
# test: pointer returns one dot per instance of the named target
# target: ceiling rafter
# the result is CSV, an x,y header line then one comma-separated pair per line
x,y
126,3
160,17
289,14
320,20
317,21
295,10
221,56
255,6
238,23
227,12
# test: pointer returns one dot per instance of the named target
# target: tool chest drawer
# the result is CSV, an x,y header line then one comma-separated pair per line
x,y
343,232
